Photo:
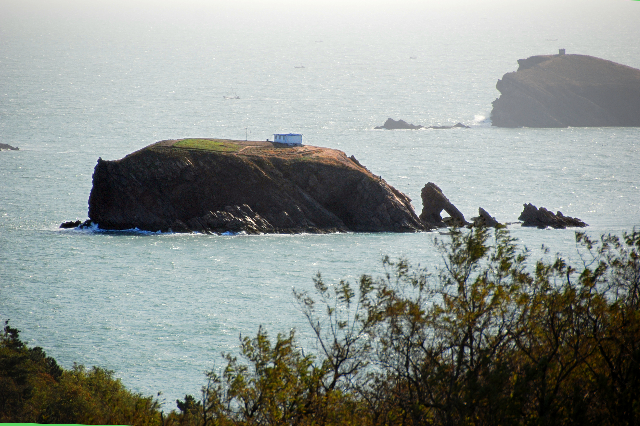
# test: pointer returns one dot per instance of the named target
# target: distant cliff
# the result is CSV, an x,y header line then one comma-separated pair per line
x,y
568,90
209,185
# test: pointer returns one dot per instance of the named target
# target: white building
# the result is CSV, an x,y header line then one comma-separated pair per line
x,y
288,138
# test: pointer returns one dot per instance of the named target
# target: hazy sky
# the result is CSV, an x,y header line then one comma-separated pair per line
x,y
582,26
269,10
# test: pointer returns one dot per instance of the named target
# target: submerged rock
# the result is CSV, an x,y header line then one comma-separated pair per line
x,y
542,218
433,203
568,90
208,185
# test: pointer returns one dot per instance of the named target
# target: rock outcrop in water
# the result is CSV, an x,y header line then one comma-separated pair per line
x,y
568,90
6,147
542,218
484,219
208,185
433,203
392,124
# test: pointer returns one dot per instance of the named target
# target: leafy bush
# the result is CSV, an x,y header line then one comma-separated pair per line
x,y
33,388
485,339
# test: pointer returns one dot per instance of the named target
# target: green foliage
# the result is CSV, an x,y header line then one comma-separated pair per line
x,y
33,388
280,386
484,339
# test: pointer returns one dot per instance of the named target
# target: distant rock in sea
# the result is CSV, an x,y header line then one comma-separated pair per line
x,y
5,147
215,186
543,218
568,90
392,124
484,219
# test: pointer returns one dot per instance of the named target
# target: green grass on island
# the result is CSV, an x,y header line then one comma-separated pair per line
x,y
218,145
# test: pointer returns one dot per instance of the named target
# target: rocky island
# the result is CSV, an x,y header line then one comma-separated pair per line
x,y
568,90
215,186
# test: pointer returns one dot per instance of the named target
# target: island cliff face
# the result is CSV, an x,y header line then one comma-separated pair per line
x,y
568,90
209,185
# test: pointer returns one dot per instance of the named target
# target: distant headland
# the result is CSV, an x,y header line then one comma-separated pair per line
x,y
568,91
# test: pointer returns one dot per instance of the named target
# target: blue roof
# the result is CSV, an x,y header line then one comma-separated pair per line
x,y
288,134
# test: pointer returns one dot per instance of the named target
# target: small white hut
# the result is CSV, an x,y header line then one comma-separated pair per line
x,y
288,138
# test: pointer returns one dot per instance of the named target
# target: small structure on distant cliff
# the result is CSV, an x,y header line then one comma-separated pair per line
x,y
288,138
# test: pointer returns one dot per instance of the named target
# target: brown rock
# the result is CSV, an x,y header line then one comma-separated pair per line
x,y
542,218
433,203
253,187
485,219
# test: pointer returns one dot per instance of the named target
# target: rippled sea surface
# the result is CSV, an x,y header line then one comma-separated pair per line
x,y
159,309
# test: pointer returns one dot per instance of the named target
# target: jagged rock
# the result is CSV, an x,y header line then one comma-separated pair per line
x,y
256,187
70,224
542,218
484,219
6,147
568,90
392,124
433,202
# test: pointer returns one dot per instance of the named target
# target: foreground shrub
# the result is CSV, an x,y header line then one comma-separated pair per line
x,y
484,339
33,388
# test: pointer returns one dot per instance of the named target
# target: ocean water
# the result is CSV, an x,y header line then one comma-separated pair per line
x,y
158,309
